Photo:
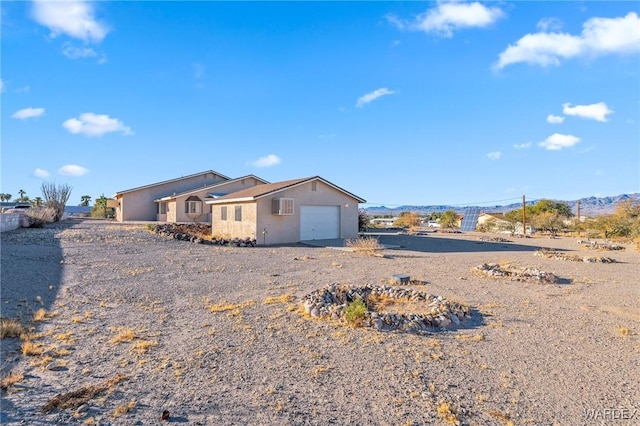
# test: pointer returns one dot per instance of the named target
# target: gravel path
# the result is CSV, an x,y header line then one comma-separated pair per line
x,y
214,335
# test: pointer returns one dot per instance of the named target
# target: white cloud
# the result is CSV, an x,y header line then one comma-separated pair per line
x,y
77,52
494,155
549,24
267,161
24,89
40,173
73,52
596,112
90,124
25,113
555,119
74,18
522,145
72,170
448,17
370,97
558,141
1,85
600,36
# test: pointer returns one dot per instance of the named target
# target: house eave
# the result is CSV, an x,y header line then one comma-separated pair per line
x,y
231,200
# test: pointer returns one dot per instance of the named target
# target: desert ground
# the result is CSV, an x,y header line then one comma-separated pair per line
x,y
123,326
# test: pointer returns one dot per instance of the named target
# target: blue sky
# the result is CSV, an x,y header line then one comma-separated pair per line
x,y
398,102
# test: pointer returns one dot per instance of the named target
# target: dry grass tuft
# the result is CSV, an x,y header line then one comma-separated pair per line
x,y
322,369
11,328
624,331
10,379
367,246
124,408
225,306
80,396
472,338
501,416
446,413
141,347
285,298
65,337
40,315
31,349
124,335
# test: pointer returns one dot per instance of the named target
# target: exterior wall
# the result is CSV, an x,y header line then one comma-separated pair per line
x,y
286,229
11,221
230,228
498,223
140,205
178,206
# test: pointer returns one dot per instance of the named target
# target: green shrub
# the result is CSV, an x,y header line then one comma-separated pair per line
x,y
355,312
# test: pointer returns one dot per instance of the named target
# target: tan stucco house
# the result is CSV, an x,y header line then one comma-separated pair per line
x,y
287,212
493,222
139,204
189,206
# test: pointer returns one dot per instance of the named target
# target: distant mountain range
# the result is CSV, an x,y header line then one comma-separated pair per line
x,y
591,206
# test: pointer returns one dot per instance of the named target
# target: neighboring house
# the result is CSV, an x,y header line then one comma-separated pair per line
x,y
287,212
494,222
189,206
140,203
383,222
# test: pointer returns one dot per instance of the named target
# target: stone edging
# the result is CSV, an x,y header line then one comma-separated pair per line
x,y
329,302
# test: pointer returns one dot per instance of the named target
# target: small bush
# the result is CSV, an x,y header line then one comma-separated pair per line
x,y
10,379
11,328
40,315
355,312
31,349
367,245
39,217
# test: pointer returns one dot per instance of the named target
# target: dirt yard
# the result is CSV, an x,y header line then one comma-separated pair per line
x,y
122,326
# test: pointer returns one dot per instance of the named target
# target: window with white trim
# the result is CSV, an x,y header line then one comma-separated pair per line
x,y
238,213
223,213
193,205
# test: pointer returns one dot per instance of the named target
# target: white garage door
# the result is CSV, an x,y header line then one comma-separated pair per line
x,y
319,222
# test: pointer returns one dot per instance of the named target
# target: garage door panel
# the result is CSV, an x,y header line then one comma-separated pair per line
x,y
319,222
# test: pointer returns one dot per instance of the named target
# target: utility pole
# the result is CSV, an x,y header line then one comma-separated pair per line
x,y
524,218
578,218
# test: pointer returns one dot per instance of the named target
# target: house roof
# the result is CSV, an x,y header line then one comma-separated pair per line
x,y
210,187
496,215
170,181
259,191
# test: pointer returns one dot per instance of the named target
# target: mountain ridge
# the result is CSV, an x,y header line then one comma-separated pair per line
x,y
589,206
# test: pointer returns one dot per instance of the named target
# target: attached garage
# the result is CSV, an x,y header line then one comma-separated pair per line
x,y
319,222
287,212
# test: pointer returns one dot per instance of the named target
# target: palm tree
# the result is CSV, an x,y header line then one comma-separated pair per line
x,y
21,192
5,197
85,200
37,202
